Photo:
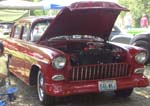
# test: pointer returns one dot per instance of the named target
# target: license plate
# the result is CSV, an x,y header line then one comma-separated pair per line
x,y
108,85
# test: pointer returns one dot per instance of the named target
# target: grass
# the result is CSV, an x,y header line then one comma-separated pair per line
x,y
135,31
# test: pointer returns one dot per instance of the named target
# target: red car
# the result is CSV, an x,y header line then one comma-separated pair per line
x,y
70,54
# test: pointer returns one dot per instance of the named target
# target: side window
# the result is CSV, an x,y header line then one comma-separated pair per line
x,y
17,31
38,30
25,32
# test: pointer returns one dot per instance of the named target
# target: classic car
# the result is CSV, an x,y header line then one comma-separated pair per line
x,y
5,28
71,54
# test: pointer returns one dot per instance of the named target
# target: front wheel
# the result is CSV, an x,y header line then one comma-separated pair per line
x,y
45,99
124,92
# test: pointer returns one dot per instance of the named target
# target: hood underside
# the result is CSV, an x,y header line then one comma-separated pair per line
x,y
85,18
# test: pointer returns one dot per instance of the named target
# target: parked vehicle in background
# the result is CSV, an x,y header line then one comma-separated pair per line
x,y
5,28
117,35
143,40
71,54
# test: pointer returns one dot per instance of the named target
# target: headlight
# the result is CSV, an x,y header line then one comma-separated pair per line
x,y
141,57
59,62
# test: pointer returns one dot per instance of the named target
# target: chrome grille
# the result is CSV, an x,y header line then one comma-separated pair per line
x,y
99,71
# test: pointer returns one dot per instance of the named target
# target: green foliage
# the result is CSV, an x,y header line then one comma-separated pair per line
x,y
43,12
137,8
37,12
135,31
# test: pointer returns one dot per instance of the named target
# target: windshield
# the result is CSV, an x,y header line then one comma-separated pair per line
x,y
38,30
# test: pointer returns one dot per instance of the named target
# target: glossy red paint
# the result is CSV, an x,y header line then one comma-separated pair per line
x,y
78,36
73,88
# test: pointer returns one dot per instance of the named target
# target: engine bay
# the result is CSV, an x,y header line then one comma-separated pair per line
x,y
95,53
90,52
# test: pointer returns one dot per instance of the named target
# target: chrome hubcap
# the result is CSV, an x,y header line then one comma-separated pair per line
x,y
40,86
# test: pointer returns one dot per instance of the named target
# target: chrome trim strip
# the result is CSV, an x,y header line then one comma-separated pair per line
x,y
99,71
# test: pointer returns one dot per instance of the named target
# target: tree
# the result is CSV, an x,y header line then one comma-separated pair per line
x,y
37,12
137,8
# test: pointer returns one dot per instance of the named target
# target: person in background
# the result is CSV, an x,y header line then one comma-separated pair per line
x,y
3,65
144,21
128,21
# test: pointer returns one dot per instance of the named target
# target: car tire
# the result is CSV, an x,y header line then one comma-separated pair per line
x,y
146,46
124,92
45,99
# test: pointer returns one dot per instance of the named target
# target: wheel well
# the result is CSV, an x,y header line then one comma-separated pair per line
x,y
141,37
138,39
33,75
141,41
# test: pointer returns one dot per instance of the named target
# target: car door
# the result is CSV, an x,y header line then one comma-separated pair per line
x,y
26,50
34,33
15,48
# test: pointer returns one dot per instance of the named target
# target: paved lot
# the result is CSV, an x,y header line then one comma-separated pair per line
x,y
26,96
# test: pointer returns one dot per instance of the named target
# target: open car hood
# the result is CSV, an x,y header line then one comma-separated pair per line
x,y
84,18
